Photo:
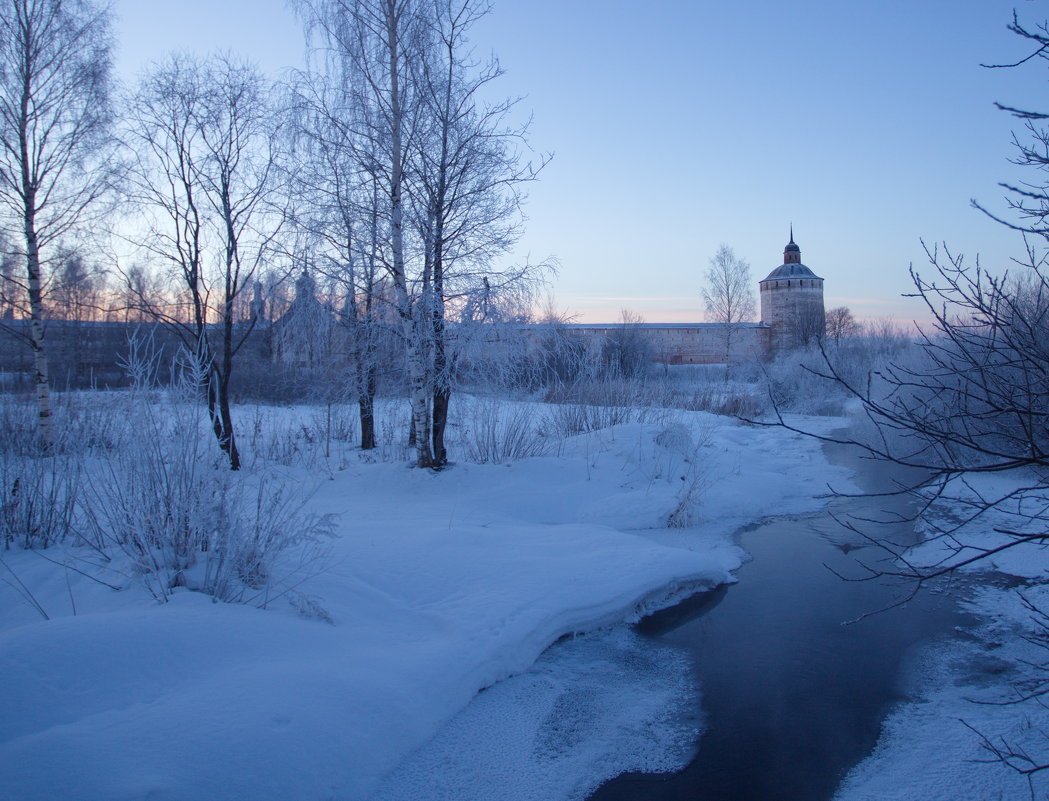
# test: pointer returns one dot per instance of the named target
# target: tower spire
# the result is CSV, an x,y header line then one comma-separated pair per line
x,y
792,253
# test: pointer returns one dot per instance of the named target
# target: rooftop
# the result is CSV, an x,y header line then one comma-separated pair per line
x,y
793,270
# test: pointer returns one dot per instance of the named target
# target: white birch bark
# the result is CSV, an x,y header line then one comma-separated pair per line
x,y
41,385
54,140
415,362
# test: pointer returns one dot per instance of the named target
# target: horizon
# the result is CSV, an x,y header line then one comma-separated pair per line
x,y
685,126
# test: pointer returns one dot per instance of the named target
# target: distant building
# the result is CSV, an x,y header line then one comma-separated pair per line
x,y
305,335
792,302
792,315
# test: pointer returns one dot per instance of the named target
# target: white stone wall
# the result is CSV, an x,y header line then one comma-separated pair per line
x,y
793,310
701,344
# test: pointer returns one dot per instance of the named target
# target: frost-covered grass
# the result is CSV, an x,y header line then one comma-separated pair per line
x,y
789,382
135,483
434,586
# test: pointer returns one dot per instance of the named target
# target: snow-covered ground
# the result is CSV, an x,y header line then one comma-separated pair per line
x,y
436,587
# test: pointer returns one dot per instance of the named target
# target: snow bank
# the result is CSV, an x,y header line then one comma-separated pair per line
x,y
589,709
931,747
198,700
439,585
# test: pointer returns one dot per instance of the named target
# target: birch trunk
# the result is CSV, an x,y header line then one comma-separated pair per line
x,y
36,330
416,365
28,187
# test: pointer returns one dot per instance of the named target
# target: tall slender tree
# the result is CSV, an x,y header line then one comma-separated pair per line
x,y
373,45
206,179
447,165
337,187
468,180
55,163
728,293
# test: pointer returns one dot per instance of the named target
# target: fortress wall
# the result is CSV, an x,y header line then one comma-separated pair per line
x,y
699,344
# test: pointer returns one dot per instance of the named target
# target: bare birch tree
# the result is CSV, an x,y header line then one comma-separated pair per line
x,y
54,131
469,181
338,192
626,351
207,179
840,323
447,165
728,293
77,287
375,44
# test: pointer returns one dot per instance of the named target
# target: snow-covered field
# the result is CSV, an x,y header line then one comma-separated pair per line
x,y
434,588
408,656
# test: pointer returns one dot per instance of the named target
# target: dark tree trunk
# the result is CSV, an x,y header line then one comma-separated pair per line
x,y
441,399
366,402
227,441
221,419
442,385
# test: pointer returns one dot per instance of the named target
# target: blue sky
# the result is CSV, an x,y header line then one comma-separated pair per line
x,y
676,126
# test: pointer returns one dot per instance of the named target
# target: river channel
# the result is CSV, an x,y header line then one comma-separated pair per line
x,y
794,694
761,690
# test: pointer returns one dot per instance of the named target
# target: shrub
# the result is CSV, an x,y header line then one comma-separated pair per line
x,y
38,504
165,500
494,431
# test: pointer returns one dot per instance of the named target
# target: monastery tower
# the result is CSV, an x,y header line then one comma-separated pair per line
x,y
792,302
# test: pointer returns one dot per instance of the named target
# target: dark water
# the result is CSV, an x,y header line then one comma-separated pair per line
x,y
793,697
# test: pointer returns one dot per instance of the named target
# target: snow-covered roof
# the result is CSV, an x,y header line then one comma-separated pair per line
x,y
792,270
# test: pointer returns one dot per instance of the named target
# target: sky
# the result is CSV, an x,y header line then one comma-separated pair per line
x,y
678,126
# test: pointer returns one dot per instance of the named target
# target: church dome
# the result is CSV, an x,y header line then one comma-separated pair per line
x,y
792,266
794,269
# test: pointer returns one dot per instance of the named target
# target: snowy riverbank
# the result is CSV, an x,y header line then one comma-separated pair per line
x,y
436,586
940,744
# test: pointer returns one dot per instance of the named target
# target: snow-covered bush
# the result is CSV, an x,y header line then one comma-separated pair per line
x,y
38,504
321,437
38,492
726,398
591,403
17,425
292,441
793,385
793,381
569,419
498,431
167,500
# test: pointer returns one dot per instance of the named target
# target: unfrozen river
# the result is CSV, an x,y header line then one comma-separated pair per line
x,y
758,691
792,695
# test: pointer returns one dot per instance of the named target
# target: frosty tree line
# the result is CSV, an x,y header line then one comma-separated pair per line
x,y
386,163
